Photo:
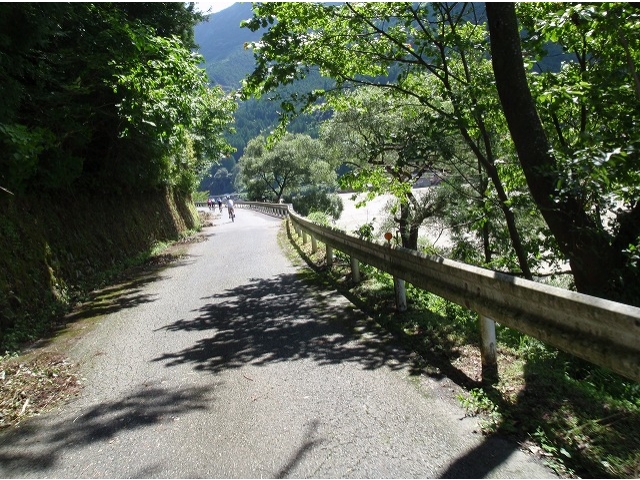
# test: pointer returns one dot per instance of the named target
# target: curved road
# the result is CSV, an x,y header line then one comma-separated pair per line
x,y
226,364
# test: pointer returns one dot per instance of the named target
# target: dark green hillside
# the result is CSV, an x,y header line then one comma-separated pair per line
x,y
221,42
55,248
220,33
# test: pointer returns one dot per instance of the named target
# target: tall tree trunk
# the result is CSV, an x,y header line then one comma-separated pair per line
x,y
486,158
492,172
586,246
486,238
408,230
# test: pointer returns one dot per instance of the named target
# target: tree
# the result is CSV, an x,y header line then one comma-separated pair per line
x,y
389,142
597,230
363,44
105,96
270,171
168,105
310,199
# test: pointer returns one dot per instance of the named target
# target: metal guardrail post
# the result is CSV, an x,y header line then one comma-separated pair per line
x,y
401,294
314,244
488,350
355,269
329,256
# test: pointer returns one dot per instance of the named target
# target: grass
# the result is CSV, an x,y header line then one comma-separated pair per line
x,y
583,420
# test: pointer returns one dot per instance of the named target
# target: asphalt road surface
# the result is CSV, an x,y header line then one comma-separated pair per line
x,y
227,364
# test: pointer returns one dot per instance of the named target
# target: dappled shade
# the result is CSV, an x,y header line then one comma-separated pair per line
x,y
251,324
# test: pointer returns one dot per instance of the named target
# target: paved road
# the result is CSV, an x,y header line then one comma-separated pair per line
x,y
226,364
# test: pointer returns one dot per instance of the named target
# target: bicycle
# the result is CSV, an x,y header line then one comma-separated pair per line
x,y
232,214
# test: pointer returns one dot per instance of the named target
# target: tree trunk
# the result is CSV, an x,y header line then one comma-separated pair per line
x,y
486,238
486,159
586,246
408,231
491,171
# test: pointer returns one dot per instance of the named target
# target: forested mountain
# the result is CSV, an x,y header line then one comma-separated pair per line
x,y
221,42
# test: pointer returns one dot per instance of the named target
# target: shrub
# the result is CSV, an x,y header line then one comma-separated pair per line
x,y
316,199
319,218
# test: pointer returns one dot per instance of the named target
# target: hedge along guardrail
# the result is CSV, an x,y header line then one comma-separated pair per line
x,y
600,331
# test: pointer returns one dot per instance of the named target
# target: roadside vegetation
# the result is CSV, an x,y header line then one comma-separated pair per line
x,y
526,116
581,419
108,132
35,376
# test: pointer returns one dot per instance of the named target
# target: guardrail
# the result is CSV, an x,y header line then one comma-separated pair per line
x,y
280,210
600,331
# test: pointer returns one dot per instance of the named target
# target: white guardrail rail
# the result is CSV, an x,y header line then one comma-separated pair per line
x,y
600,331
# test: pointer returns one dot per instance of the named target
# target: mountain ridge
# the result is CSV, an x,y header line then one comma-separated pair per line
x,y
221,41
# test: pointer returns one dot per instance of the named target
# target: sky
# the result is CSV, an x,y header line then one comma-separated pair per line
x,y
214,5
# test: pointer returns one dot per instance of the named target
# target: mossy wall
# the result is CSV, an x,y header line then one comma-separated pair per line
x,y
53,245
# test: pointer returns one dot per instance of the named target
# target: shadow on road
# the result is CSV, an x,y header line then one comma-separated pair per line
x,y
126,293
118,297
122,295
309,444
481,461
278,320
284,319
35,447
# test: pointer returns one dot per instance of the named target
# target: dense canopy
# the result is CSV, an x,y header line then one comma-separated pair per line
x,y
579,175
105,96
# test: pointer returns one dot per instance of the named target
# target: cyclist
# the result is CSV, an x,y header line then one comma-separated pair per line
x,y
230,207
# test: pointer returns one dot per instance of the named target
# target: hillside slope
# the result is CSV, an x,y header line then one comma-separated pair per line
x,y
221,42
54,247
